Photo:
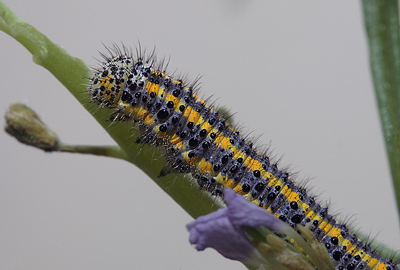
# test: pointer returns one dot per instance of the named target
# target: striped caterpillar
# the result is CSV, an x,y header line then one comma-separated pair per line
x,y
199,141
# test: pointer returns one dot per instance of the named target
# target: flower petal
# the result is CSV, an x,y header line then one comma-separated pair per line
x,y
244,213
216,231
223,229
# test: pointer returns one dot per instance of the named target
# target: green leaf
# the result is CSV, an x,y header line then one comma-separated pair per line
x,y
382,26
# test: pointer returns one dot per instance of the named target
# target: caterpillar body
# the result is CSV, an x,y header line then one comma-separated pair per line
x,y
199,141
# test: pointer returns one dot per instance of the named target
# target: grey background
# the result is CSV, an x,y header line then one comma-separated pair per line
x,y
295,72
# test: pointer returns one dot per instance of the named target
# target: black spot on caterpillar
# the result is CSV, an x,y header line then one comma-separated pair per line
x,y
200,141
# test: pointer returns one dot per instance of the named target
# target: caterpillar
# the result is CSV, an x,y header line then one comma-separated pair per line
x,y
198,140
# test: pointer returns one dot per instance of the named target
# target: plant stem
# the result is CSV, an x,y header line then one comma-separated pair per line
x,y
73,73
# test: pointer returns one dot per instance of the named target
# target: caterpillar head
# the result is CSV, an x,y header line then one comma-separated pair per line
x,y
107,83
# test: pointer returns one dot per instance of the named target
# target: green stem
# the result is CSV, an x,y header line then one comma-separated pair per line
x,y
382,25
107,151
73,73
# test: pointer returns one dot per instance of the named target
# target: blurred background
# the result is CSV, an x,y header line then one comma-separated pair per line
x,y
295,73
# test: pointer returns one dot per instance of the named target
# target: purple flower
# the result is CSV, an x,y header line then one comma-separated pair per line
x,y
223,229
